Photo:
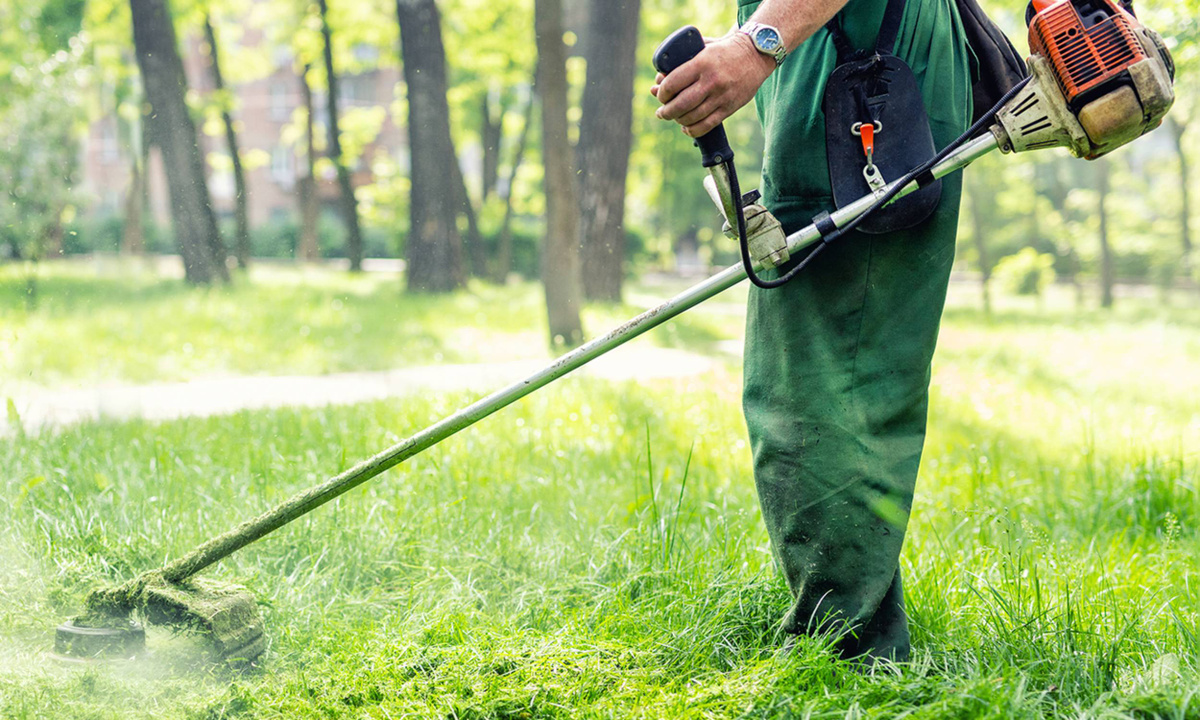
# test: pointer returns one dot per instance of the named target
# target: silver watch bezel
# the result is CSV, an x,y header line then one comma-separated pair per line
x,y
751,30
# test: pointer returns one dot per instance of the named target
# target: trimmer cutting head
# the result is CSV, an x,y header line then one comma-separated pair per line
x,y
226,615
119,640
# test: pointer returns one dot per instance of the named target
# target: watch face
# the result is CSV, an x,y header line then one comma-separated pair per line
x,y
767,39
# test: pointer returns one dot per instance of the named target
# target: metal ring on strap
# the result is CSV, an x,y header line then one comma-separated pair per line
x,y
856,128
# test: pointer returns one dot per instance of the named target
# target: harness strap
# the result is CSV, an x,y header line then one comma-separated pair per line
x,y
885,42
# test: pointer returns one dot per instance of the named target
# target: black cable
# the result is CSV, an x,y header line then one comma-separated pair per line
x,y
981,124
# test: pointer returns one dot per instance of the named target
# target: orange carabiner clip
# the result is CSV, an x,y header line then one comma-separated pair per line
x,y
868,140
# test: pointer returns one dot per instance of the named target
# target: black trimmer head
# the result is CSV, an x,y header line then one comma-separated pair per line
x,y
120,641
225,615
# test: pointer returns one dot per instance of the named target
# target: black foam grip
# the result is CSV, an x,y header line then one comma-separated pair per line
x,y
825,224
681,46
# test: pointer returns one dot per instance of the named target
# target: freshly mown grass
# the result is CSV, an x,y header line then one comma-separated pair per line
x,y
123,322
596,550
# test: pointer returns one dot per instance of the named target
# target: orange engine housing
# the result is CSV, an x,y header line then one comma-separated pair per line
x,y
1088,42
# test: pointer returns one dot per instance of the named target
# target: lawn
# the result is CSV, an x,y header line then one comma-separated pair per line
x,y
596,550
125,324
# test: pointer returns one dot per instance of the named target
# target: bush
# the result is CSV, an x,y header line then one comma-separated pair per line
x,y
104,235
273,240
1026,273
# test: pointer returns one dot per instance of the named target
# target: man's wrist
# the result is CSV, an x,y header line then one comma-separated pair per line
x,y
766,39
766,62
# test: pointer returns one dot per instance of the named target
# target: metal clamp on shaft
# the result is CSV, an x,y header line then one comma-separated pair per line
x,y
764,232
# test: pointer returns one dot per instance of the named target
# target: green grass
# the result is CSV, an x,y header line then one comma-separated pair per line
x,y
596,550
98,323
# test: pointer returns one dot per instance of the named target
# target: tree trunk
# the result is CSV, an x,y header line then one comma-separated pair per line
x,y
605,139
172,129
1106,258
1053,188
133,240
1185,210
433,255
241,213
473,242
354,247
52,247
308,248
504,254
133,235
981,214
492,134
560,254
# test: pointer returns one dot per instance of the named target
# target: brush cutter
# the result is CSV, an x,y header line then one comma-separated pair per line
x,y
1100,79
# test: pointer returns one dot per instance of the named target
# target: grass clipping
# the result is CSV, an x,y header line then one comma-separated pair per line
x,y
224,613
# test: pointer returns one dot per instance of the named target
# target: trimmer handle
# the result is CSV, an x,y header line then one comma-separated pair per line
x,y
683,45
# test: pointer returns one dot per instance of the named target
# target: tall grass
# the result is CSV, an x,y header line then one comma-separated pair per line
x,y
596,550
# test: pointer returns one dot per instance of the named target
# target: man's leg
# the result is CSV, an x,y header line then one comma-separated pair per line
x,y
835,395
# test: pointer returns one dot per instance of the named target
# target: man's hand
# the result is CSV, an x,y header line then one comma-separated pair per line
x,y
715,84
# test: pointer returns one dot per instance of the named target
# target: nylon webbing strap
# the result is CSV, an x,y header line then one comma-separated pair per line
x,y
889,29
885,41
840,41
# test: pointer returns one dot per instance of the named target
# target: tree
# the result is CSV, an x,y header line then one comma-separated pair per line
x,y
349,204
504,253
1106,256
1178,130
434,250
1177,21
308,247
172,129
560,253
41,107
241,212
491,134
489,83
983,211
133,236
605,140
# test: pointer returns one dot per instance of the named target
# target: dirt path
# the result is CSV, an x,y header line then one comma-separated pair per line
x,y
48,409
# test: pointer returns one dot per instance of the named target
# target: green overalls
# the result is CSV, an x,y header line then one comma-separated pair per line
x,y
837,362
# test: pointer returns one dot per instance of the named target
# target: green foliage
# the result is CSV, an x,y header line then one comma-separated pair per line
x,y
1026,273
279,239
1042,200
58,22
40,118
103,235
666,195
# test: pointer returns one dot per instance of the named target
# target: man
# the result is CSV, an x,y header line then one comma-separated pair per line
x,y
837,362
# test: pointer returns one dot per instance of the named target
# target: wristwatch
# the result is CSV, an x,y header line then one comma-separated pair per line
x,y
767,40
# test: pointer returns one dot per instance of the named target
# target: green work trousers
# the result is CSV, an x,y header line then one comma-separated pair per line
x,y
837,362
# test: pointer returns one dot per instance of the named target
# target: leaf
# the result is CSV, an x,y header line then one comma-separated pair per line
x,y
26,487
14,417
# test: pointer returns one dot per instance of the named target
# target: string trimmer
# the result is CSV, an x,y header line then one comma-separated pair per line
x,y
1099,80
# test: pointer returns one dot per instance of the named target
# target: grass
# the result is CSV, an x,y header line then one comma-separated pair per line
x,y
596,550
124,323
